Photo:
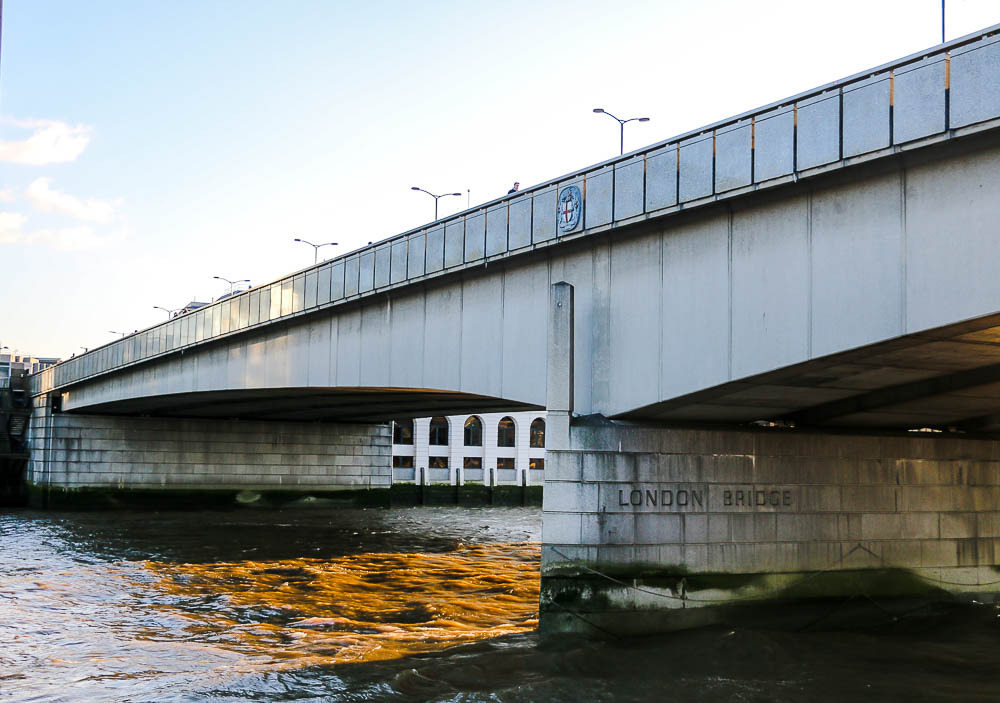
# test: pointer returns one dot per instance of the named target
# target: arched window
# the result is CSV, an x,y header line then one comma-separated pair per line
x,y
506,432
439,431
473,432
537,433
402,432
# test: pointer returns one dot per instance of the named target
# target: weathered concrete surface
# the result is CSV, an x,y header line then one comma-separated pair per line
x,y
649,528
704,315
77,457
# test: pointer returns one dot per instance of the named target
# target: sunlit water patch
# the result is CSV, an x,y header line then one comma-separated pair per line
x,y
355,608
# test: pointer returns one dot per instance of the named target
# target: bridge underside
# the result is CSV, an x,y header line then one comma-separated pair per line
x,y
308,404
947,377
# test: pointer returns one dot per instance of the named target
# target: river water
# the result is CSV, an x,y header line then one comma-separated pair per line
x,y
424,604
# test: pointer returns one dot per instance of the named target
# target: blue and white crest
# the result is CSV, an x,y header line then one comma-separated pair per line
x,y
570,207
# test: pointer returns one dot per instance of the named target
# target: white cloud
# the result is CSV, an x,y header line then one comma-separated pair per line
x,y
51,143
45,199
7,195
10,227
74,238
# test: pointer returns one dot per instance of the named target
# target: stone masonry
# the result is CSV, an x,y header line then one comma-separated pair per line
x,y
646,526
72,452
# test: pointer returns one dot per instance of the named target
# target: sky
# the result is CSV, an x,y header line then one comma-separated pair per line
x,y
148,146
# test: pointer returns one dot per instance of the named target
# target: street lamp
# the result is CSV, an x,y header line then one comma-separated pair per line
x,y
436,197
170,313
231,283
621,123
113,332
316,247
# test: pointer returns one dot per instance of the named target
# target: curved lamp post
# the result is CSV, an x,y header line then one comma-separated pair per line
x,y
621,123
231,283
316,247
170,313
436,198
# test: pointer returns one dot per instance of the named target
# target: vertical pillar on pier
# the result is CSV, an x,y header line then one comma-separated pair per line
x,y
559,366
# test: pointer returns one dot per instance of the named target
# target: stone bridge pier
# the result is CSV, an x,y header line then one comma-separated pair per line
x,y
108,460
649,528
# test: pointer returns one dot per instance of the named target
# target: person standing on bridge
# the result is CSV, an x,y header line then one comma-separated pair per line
x,y
515,188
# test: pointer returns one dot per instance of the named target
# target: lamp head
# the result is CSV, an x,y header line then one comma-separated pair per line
x,y
456,193
598,109
644,119
414,188
297,239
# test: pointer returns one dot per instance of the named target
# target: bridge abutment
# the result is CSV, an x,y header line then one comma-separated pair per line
x,y
105,460
648,529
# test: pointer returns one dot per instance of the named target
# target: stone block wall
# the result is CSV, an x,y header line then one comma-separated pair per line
x,y
723,517
71,452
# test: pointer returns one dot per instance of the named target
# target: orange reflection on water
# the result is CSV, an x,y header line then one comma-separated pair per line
x,y
364,607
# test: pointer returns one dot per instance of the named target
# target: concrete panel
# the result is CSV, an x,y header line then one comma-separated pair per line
x,y
375,348
406,344
434,257
817,141
337,281
397,266
629,193
661,178
319,353
351,280
635,315
295,357
695,167
475,237
310,299
454,243
519,222
496,230
918,100
733,157
382,255
770,279
866,115
598,197
348,370
366,280
695,300
952,256
857,244
975,74
481,321
415,255
442,338
523,332
774,144
543,215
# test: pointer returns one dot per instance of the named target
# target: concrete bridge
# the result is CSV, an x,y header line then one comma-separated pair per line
x,y
752,318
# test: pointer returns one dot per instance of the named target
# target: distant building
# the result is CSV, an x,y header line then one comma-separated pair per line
x,y
190,307
10,363
486,448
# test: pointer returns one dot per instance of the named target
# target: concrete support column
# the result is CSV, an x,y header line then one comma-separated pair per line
x,y
559,366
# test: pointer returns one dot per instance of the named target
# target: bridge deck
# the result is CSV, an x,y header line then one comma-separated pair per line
x,y
941,94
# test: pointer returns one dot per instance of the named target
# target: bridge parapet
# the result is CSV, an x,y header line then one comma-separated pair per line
x,y
943,93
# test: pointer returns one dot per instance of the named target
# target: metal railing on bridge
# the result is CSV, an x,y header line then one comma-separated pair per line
x,y
912,101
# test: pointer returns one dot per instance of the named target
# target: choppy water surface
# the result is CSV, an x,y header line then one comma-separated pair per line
x,y
425,604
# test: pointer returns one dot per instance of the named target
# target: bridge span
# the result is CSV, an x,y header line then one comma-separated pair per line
x,y
824,266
